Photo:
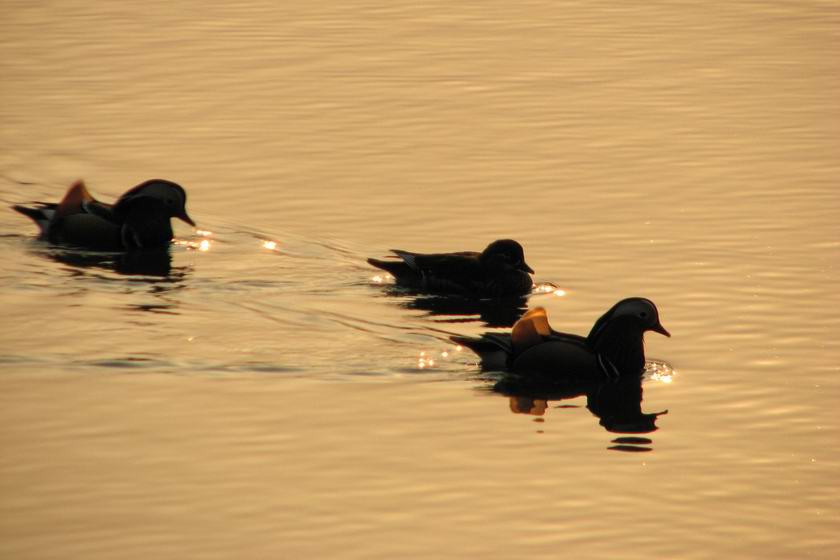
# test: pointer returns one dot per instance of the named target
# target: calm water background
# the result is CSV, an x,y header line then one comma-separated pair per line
x,y
258,402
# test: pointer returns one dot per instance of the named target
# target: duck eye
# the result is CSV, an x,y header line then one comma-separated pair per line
x,y
643,314
170,201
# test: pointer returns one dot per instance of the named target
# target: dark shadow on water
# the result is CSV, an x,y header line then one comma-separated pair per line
x,y
617,405
154,266
148,272
493,313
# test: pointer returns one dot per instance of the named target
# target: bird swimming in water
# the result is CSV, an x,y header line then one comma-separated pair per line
x,y
499,270
612,349
139,219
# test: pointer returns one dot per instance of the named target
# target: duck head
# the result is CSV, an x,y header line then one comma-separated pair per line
x,y
505,255
619,333
171,195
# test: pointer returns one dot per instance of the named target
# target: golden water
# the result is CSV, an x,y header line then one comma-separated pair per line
x,y
267,401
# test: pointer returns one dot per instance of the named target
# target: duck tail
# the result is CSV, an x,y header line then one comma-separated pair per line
x,y
487,344
397,269
467,341
41,215
494,350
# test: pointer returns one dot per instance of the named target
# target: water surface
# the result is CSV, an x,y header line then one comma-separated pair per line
x,y
264,397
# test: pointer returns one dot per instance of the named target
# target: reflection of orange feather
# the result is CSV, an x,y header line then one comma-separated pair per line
x,y
73,200
530,329
525,405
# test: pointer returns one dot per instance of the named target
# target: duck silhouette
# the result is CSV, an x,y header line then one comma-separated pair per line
x,y
614,347
499,270
139,219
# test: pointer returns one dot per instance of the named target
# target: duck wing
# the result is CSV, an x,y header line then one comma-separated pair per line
x,y
560,358
447,272
462,263
77,201
74,201
102,210
530,330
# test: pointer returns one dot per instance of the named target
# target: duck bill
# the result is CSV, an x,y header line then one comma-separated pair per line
x,y
525,268
661,330
185,217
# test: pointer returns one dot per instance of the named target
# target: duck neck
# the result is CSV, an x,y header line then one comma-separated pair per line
x,y
623,345
488,262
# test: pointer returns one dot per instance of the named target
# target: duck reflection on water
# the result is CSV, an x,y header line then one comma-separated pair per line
x,y
141,273
493,313
153,263
617,404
